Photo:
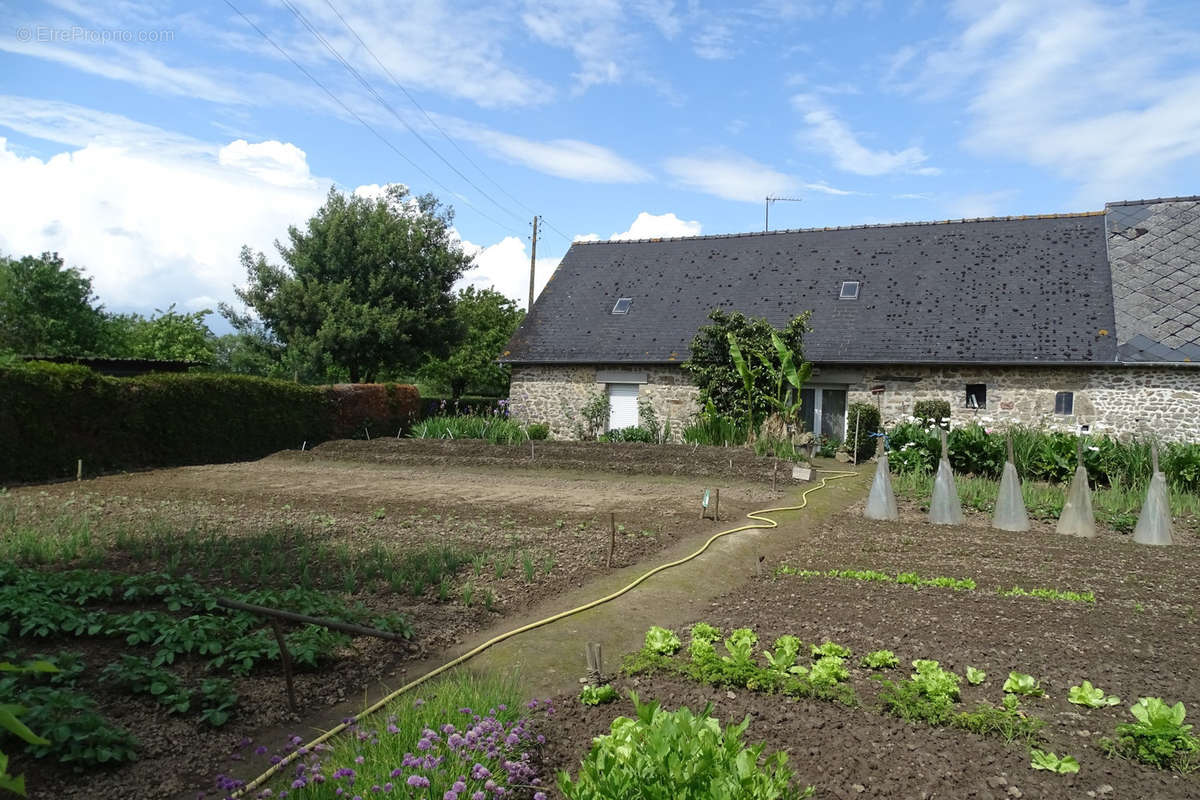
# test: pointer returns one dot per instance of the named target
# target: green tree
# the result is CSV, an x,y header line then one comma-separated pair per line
x,y
366,286
47,309
167,336
488,320
715,370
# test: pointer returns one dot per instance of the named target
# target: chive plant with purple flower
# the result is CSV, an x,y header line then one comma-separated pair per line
x,y
462,737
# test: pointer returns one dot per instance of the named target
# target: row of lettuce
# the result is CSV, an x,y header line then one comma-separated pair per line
x,y
471,737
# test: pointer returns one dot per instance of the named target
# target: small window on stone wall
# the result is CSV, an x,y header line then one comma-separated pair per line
x,y
976,395
1064,403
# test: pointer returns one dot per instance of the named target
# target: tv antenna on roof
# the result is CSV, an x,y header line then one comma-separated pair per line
x,y
767,208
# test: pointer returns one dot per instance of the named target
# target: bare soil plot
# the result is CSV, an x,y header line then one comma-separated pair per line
x,y
528,529
1139,638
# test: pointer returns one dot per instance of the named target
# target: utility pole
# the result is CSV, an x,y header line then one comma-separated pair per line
x,y
532,263
767,208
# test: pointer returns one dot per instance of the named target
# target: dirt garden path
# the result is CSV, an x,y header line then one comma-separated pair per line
x,y
550,660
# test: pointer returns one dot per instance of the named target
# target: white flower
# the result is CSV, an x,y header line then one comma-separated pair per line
x,y
945,420
1094,449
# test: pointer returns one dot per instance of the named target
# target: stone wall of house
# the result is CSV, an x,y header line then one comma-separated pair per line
x,y
557,394
1116,401
1113,400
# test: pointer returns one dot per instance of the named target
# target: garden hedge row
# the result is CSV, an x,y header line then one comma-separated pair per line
x,y
53,414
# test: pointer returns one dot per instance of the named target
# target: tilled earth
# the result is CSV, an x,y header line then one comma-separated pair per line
x,y
400,494
1140,638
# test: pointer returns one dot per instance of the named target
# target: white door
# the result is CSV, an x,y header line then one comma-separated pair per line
x,y
622,405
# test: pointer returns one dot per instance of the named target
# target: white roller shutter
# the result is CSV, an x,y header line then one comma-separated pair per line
x,y
622,405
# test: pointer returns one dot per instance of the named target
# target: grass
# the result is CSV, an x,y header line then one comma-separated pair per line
x,y
383,750
1116,506
279,556
495,429
917,581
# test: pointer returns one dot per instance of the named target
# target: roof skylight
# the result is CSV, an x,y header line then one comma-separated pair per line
x,y
849,290
622,306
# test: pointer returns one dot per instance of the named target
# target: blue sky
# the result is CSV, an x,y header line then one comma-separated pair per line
x,y
147,141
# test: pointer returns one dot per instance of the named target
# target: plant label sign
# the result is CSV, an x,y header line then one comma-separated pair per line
x,y
801,473
704,500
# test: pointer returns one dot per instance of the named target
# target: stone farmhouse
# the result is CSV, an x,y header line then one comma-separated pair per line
x,y
1083,321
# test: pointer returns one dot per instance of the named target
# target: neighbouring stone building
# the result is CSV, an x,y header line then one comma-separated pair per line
x,y
1085,321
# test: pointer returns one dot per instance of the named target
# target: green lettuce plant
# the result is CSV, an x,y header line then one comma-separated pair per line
x,y
1022,684
661,755
1052,763
830,649
1087,695
880,659
975,676
783,658
927,696
597,695
662,641
1159,737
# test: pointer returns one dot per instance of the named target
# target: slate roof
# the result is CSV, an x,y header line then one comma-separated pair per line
x,y
1011,290
1154,249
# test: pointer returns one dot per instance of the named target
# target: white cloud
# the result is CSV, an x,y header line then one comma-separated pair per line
x,y
504,266
458,50
152,224
730,175
826,132
1042,85
563,158
131,65
714,41
982,204
652,226
276,163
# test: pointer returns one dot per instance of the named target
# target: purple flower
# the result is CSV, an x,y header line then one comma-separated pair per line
x,y
479,772
417,781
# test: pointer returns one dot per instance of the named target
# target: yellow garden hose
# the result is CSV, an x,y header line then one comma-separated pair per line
x,y
764,523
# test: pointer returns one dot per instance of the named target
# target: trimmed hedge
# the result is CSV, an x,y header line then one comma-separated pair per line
x,y
53,414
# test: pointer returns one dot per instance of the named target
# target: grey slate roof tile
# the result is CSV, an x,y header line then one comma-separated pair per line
x,y
1154,247
1008,290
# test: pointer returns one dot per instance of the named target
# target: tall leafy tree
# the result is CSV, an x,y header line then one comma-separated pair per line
x,y
47,308
747,367
167,335
365,286
488,320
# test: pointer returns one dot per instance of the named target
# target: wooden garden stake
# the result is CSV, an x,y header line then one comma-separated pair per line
x,y
857,418
285,658
717,506
595,664
774,472
612,536
758,564
79,469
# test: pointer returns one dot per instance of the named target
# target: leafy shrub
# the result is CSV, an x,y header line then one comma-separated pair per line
x,y
931,413
1159,737
53,414
538,431
864,418
913,449
974,452
75,732
704,761
713,428
635,433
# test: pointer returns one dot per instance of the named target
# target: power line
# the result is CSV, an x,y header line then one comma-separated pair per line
x,y
378,97
362,121
432,122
